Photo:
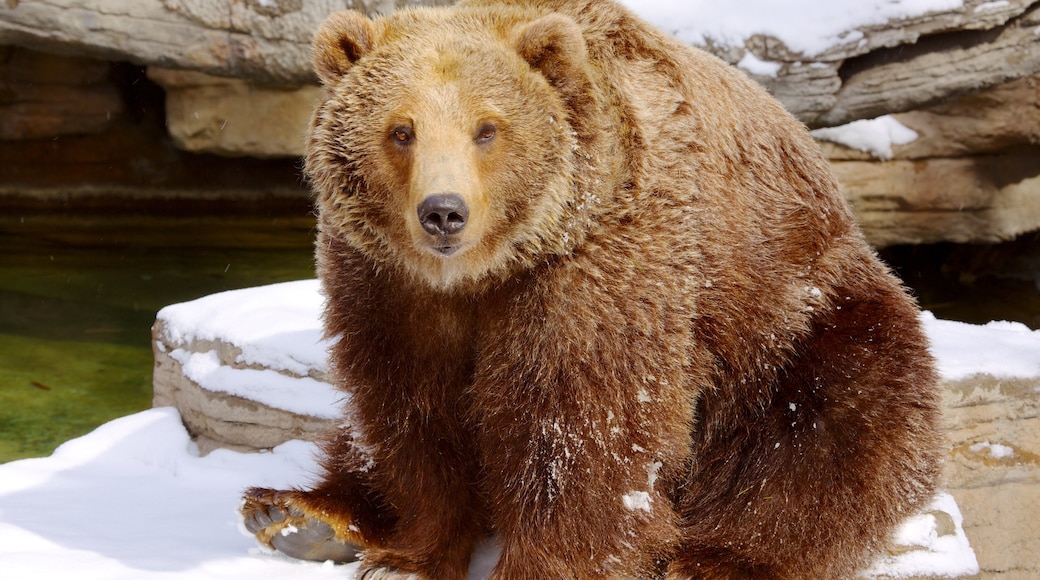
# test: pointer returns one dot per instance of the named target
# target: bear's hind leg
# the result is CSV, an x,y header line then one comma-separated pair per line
x,y
814,478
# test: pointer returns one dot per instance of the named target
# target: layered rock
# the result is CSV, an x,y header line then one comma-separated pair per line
x,y
874,69
994,470
233,117
971,175
43,96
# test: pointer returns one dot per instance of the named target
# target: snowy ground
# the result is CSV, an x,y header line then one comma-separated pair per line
x,y
134,500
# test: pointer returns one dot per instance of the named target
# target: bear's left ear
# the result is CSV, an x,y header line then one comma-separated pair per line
x,y
341,40
554,46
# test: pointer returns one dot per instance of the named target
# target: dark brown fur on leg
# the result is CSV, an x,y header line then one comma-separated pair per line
x,y
851,441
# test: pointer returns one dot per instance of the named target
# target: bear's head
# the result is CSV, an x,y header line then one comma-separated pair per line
x,y
454,144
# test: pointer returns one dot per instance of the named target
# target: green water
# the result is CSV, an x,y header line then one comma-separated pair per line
x,y
78,296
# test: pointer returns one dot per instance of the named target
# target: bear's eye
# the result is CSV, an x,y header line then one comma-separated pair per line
x,y
486,133
402,135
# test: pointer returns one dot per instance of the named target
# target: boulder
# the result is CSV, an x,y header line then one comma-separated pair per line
x,y
234,117
993,470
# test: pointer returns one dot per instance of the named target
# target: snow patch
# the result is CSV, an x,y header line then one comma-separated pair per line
x,y
637,501
931,552
1001,349
756,66
300,395
994,450
874,136
276,326
991,5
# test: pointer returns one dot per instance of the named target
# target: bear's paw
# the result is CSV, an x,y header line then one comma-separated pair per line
x,y
285,525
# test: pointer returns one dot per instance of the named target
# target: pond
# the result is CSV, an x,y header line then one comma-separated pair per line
x,y
78,295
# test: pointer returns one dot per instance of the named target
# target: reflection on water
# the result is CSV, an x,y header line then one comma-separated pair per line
x,y
78,296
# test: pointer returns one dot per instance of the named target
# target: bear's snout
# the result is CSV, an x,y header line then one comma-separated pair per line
x,y
443,214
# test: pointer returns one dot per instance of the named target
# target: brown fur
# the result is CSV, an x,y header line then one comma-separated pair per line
x,y
662,348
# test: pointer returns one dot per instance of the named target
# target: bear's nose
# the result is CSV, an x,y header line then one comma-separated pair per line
x,y
443,214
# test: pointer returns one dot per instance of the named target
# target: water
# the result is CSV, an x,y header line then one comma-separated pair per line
x,y
78,296
79,293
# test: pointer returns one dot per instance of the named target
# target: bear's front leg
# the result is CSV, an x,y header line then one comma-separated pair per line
x,y
583,435
406,513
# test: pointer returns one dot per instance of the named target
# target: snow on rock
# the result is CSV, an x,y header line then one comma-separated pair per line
x,y
931,544
275,326
874,136
1001,349
300,395
809,27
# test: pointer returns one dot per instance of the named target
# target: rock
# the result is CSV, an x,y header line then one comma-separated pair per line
x,y
265,40
970,176
44,96
993,470
266,343
886,67
217,419
991,121
963,199
233,117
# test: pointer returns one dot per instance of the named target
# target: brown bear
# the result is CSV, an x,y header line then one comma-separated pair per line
x,y
596,295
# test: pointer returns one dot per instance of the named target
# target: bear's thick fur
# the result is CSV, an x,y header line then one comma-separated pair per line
x,y
595,294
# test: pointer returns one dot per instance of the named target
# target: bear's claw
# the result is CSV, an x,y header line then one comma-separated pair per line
x,y
279,524
385,574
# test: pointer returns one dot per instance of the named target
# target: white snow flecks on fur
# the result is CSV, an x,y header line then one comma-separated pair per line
x,y
637,501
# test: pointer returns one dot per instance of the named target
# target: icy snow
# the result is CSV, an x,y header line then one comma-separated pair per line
x,y
134,500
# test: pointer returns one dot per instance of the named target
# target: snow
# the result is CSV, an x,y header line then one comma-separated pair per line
x,y
874,136
273,325
133,499
808,27
756,66
637,500
1001,349
930,554
991,5
300,395
994,450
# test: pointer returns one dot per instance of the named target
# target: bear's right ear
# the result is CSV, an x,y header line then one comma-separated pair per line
x,y
341,40
554,45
